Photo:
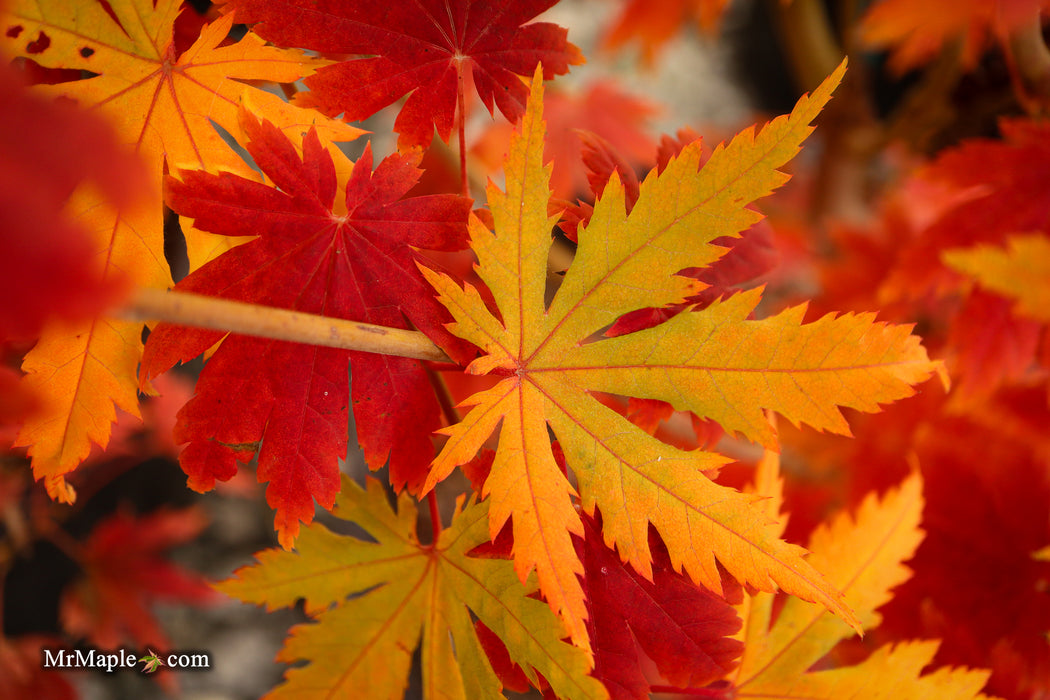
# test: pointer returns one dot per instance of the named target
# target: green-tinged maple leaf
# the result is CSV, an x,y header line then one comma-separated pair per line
x,y
863,557
715,363
152,662
164,105
374,602
1020,271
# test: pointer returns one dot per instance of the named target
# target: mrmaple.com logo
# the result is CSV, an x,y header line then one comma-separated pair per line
x,y
110,661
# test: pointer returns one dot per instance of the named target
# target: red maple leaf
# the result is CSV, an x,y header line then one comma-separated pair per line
x,y
430,50
23,677
575,117
289,401
683,628
125,570
991,189
991,346
978,584
46,150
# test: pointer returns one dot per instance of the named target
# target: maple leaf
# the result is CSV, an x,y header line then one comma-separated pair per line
x,y
984,191
22,676
600,111
163,105
375,602
977,584
1020,271
863,557
715,363
917,31
354,259
151,661
654,23
124,571
47,149
682,627
430,50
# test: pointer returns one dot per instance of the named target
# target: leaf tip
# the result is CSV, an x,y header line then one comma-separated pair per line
x,y
60,490
942,374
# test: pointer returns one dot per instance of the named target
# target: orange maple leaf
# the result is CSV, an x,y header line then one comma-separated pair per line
x,y
713,362
862,555
653,23
163,105
916,31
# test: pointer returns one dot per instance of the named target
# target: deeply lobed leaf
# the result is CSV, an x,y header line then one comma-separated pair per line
x,y
863,557
164,106
683,628
430,50
714,362
353,259
375,602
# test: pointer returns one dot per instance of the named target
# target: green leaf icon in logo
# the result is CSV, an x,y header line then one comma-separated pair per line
x,y
152,662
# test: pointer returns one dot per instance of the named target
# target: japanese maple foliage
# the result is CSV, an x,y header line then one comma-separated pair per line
x,y
957,245
354,259
621,360
21,675
164,106
917,31
653,24
685,629
125,571
548,369
42,271
429,50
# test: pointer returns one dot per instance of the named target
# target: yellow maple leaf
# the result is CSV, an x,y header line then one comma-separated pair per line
x,y
862,556
714,362
374,602
1020,271
164,106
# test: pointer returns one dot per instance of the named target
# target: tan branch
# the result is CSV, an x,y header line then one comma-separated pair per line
x,y
1029,61
809,40
279,324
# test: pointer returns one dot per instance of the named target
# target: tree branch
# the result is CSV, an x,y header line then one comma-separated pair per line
x,y
1029,61
808,39
279,324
